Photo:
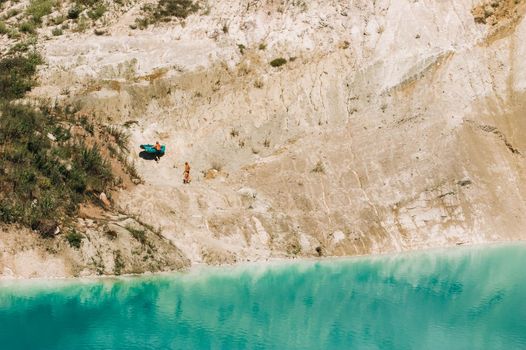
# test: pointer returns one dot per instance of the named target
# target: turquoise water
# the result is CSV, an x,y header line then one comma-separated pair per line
x,y
462,299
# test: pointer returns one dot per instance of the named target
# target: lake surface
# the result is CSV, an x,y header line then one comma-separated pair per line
x,y
469,298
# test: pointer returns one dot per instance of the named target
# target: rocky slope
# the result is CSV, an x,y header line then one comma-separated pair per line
x,y
392,125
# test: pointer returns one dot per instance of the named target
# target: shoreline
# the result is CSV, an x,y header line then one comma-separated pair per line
x,y
197,267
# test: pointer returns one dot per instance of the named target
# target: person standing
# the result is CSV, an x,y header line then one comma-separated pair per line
x,y
157,151
186,174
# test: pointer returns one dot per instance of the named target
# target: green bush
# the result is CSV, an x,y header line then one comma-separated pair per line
x,y
241,48
278,62
11,13
8,213
45,170
16,75
166,10
97,12
176,8
318,168
118,262
57,32
91,161
89,3
42,181
74,239
48,179
23,46
138,234
40,8
87,125
82,25
3,28
58,20
75,11
27,27
121,137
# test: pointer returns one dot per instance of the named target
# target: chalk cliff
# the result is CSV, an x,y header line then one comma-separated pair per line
x,y
388,126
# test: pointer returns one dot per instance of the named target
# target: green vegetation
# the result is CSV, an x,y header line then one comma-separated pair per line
x,y
74,12
46,170
94,9
241,48
121,137
3,28
175,8
74,239
118,262
16,75
57,31
318,168
36,10
278,62
27,27
58,19
89,3
25,46
39,8
12,13
97,12
82,25
138,234
42,178
165,10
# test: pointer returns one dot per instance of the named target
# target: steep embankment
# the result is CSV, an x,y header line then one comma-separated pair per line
x,y
391,126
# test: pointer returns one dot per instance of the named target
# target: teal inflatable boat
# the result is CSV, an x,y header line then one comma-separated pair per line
x,y
151,149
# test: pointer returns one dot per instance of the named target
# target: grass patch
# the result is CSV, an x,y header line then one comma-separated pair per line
x,y
57,31
58,20
241,48
82,25
44,179
138,234
74,239
27,27
11,13
39,8
3,28
278,62
24,47
130,168
121,137
166,10
318,168
74,11
16,75
45,170
97,12
87,125
118,262
176,8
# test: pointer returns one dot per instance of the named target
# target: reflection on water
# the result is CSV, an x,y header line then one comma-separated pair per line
x,y
465,299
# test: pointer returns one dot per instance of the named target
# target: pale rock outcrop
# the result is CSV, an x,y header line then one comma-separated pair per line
x,y
393,126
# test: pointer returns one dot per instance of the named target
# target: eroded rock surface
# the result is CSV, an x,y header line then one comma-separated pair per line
x,y
392,126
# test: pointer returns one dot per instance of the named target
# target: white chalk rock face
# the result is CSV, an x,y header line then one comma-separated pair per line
x,y
388,126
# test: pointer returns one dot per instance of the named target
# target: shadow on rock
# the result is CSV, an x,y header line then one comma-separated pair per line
x,y
148,156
